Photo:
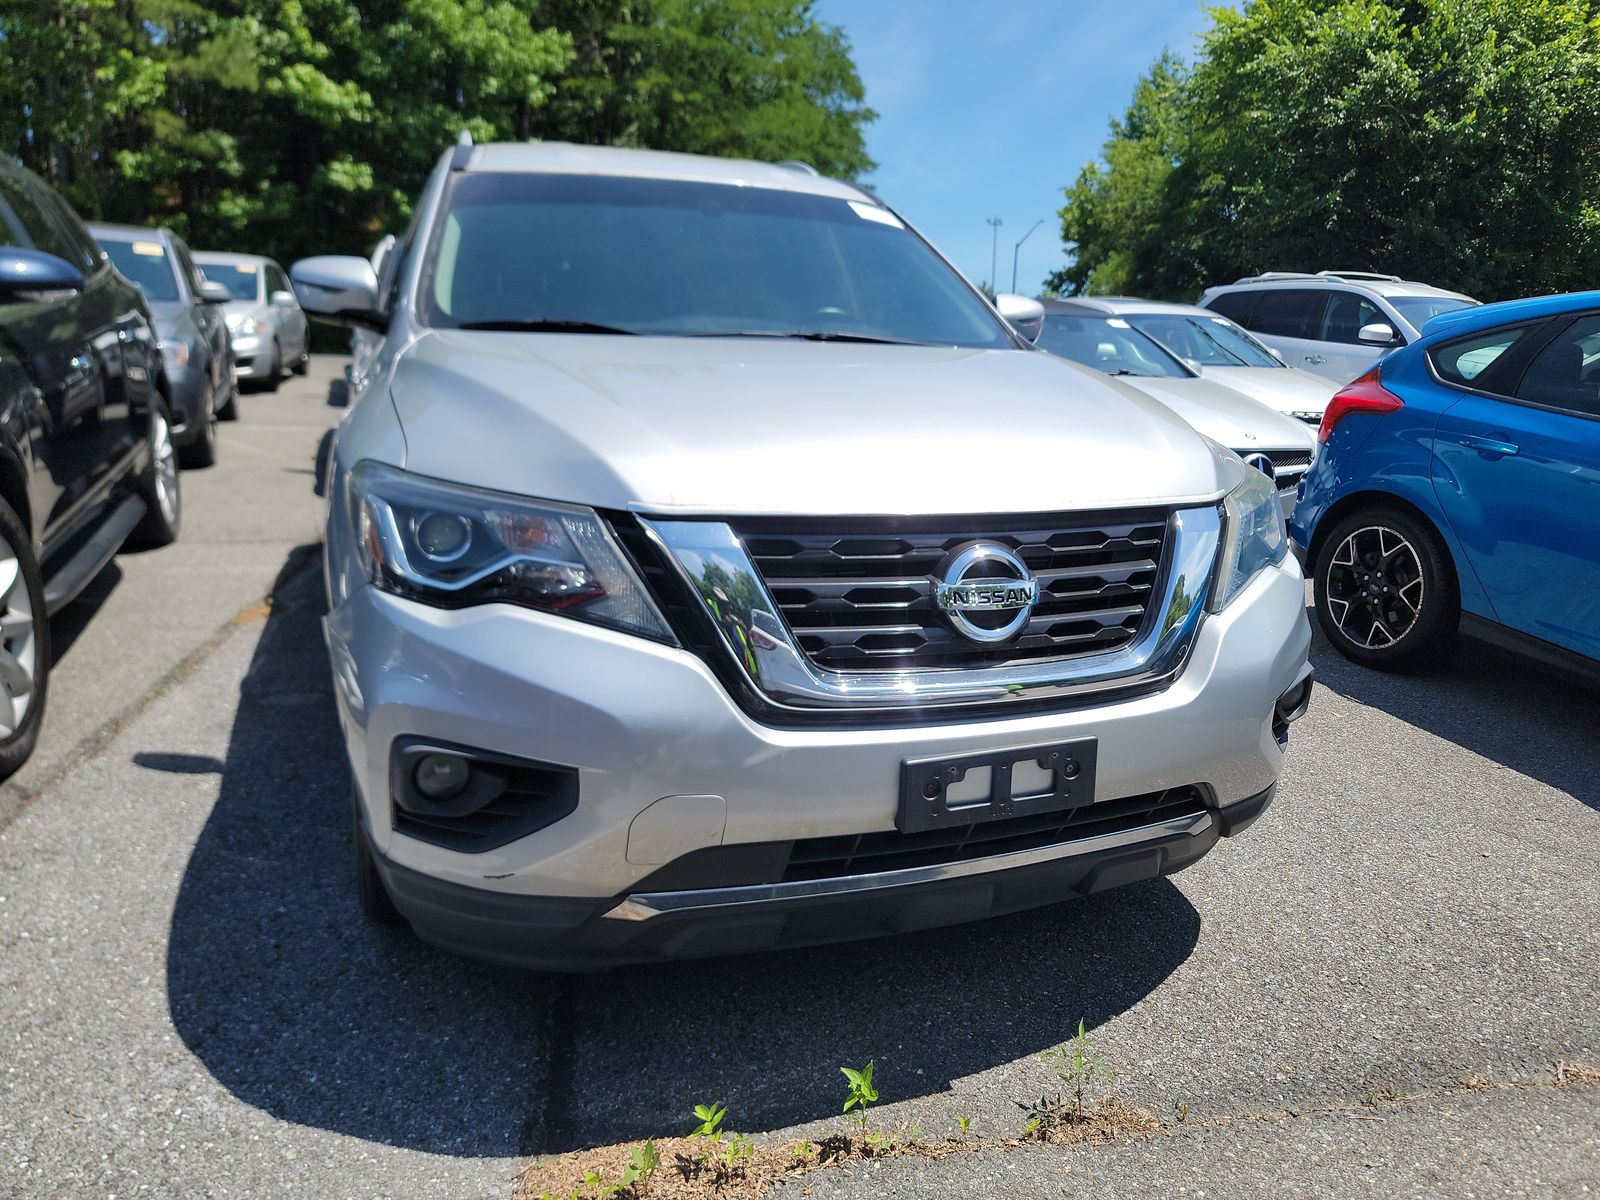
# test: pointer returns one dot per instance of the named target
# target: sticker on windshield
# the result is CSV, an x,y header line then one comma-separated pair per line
x,y
148,249
245,268
871,212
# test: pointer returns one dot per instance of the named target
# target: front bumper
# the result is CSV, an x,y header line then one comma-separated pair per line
x,y
252,355
188,386
644,723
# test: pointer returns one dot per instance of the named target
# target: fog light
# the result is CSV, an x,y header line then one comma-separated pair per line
x,y
441,776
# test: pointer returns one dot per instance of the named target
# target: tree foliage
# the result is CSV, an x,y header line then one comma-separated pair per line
x,y
1456,141
292,126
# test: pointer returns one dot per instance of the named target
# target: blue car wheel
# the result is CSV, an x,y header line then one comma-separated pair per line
x,y
1386,593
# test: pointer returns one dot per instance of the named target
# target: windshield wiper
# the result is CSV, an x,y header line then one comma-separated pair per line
x,y
543,325
806,335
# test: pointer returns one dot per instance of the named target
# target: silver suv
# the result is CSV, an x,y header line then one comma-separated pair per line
x,y
711,569
1335,323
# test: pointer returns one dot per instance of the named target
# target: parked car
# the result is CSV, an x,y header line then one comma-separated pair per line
x,y
86,454
1335,323
187,309
266,326
712,569
1089,332
1458,489
1217,349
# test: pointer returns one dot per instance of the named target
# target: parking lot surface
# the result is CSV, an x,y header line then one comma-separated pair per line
x,y
190,1004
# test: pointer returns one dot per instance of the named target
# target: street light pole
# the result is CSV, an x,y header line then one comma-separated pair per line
x,y
1017,248
994,251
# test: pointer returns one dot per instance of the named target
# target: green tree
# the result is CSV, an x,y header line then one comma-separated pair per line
x,y
1452,140
749,78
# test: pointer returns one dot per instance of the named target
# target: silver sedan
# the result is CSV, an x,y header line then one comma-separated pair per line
x,y
265,322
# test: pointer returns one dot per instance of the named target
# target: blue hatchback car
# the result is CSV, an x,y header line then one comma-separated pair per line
x,y
1458,487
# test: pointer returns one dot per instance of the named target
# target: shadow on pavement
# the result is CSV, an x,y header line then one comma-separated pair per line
x,y
68,624
299,1008
1537,722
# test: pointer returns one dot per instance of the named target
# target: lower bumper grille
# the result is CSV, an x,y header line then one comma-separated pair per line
x,y
872,853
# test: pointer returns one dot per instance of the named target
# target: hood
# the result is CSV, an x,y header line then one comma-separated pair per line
x,y
171,319
1227,416
1287,389
726,425
236,310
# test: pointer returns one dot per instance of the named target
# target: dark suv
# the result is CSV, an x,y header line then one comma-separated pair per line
x,y
86,454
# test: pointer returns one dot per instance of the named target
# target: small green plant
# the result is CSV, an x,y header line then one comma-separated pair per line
x,y
1080,1067
803,1153
966,1126
861,1094
641,1166
710,1126
737,1152
598,1188
879,1143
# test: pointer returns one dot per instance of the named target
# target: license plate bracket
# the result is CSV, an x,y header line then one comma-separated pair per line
x,y
926,783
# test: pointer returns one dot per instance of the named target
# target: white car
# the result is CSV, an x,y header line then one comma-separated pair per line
x,y
1218,349
712,569
1087,332
1336,323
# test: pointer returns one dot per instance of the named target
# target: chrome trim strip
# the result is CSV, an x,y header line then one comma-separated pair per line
x,y
645,906
711,559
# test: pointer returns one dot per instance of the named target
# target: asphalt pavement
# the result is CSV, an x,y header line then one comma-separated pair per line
x,y
191,1006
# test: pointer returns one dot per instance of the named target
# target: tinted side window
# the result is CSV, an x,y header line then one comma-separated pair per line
x,y
26,223
1347,313
1467,360
276,280
1236,306
1566,373
84,251
1289,312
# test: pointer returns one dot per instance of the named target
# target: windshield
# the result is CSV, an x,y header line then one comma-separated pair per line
x,y
600,254
1419,310
147,266
243,280
1209,341
1108,344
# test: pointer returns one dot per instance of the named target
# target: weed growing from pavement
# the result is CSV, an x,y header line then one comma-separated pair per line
x,y
860,1094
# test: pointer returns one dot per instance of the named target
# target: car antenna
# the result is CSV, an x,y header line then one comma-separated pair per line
x,y
462,152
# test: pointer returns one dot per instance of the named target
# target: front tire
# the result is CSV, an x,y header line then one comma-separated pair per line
x,y
302,365
160,488
229,409
24,644
274,376
371,895
202,452
1386,593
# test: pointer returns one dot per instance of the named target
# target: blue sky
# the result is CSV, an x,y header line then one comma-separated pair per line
x,y
989,109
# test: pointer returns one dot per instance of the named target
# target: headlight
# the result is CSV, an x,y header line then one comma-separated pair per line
x,y
245,327
453,547
176,353
1253,536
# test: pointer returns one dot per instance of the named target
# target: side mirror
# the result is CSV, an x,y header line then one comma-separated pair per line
x,y
1026,316
338,288
1379,333
282,300
32,276
212,292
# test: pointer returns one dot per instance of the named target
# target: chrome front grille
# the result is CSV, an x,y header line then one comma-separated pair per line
x,y
858,595
1287,466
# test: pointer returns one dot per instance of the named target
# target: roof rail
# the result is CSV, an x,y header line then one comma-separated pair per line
x,y
462,152
1374,276
1269,276
795,164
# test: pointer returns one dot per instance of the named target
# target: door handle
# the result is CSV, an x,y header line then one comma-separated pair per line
x,y
1316,360
1487,445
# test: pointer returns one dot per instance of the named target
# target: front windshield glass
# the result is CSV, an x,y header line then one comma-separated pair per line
x,y
1419,310
242,279
668,257
1107,344
1209,341
146,265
